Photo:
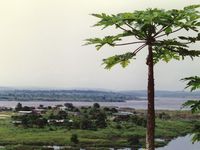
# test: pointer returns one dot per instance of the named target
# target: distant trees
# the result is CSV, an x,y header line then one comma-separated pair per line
x,y
41,122
96,106
86,118
62,114
26,108
134,119
32,120
93,118
86,123
18,107
69,106
101,120
140,121
164,116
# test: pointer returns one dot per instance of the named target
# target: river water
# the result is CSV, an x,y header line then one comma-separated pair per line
x,y
160,103
181,143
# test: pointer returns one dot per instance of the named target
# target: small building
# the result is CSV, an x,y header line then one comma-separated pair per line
x,y
17,122
123,113
39,111
25,112
71,121
59,121
74,113
121,116
63,108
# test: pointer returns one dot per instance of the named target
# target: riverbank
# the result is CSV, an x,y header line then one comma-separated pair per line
x,y
178,124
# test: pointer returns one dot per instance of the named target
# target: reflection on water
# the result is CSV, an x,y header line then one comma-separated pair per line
x,y
181,143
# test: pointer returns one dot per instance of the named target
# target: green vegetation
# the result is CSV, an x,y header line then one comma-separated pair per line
x,y
122,130
150,28
74,139
64,95
194,84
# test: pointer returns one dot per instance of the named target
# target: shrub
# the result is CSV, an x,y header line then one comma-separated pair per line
x,y
74,139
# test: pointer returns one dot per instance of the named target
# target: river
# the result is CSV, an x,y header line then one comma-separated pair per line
x,y
181,143
160,103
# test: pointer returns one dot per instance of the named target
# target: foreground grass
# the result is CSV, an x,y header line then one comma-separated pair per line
x,y
108,137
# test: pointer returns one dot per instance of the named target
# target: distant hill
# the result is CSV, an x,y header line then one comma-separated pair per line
x,y
175,94
63,95
14,94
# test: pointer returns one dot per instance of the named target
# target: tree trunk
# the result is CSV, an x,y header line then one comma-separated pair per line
x,y
151,110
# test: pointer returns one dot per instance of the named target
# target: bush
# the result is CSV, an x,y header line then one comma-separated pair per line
x,y
74,139
96,105
85,123
118,126
133,141
164,116
140,121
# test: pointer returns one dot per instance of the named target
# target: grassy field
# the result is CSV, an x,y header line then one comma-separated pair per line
x,y
108,137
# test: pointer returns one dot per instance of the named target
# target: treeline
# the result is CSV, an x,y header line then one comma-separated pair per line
x,y
63,95
71,117
172,94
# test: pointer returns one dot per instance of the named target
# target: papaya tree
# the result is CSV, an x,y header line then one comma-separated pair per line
x,y
150,28
193,83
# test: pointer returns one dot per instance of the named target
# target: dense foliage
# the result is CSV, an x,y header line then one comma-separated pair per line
x,y
154,24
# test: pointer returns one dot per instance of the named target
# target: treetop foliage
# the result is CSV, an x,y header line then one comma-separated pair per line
x,y
149,27
193,104
192,82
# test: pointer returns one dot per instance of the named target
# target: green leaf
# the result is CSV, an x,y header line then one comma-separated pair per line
x,y
191,7
194,105
196,137
99,43
168,30
166,50
163,54
123,60
190,39
192,82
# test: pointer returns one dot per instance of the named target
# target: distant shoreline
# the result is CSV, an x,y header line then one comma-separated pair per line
x,y
160,104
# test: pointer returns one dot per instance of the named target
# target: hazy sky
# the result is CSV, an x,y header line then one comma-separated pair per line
x,y
41,46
